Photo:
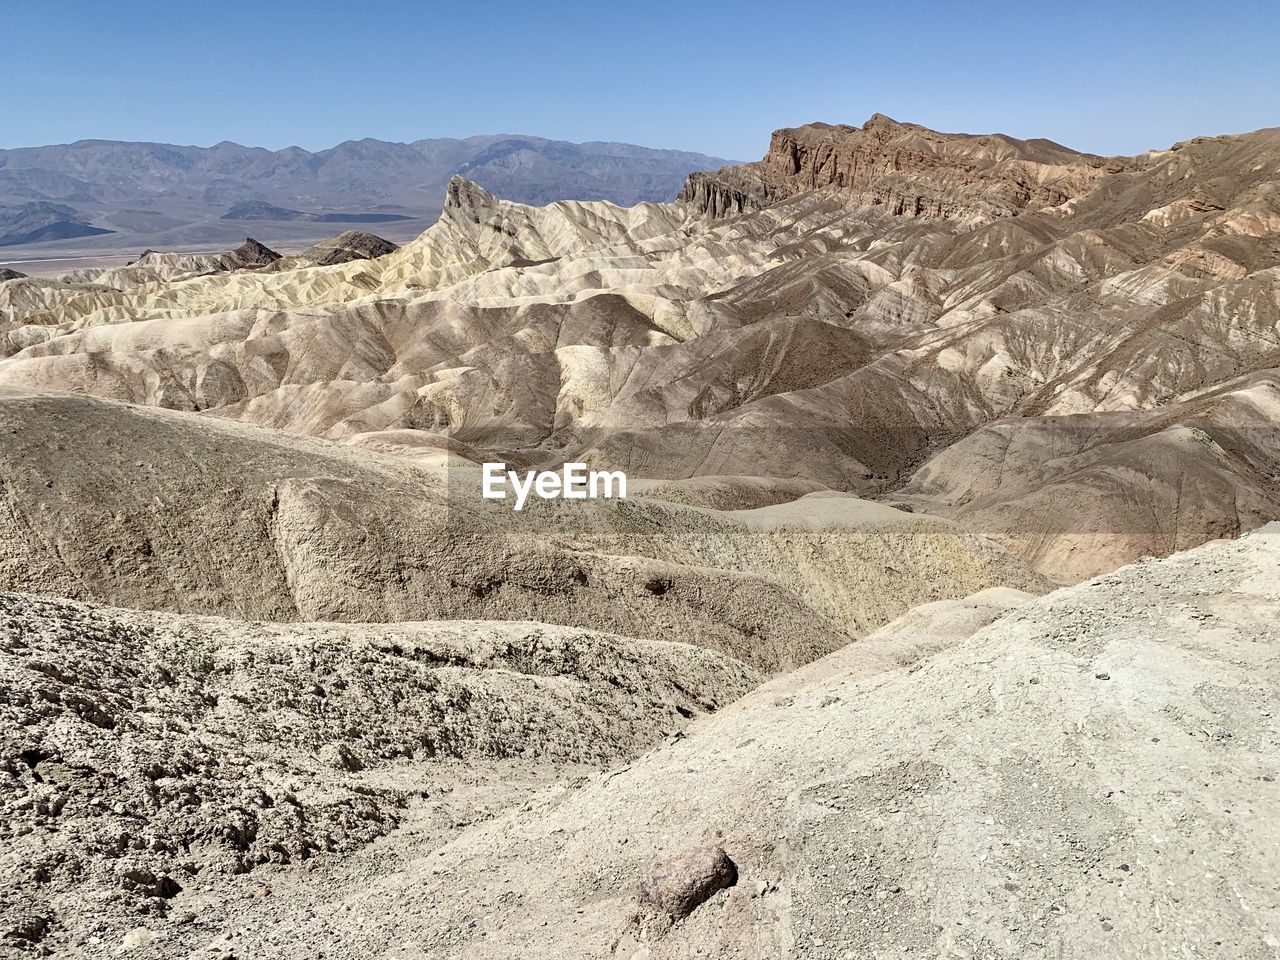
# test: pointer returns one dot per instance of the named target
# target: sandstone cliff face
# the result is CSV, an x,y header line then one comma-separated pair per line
x,y
714,194
906,169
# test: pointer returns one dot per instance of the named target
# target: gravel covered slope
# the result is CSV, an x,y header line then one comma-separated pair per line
x,y
1093,775
143,754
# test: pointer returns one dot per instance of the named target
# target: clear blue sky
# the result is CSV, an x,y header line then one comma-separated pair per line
x,y
702,75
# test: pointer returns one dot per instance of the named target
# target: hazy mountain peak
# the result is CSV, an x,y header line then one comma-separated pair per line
x,y
169,196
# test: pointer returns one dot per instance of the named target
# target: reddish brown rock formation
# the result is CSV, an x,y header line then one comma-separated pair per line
x,y
908,169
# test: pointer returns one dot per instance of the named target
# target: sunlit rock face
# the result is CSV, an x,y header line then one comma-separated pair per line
x,y
859,309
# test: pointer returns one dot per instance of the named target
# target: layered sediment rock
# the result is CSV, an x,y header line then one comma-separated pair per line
x,y
907,169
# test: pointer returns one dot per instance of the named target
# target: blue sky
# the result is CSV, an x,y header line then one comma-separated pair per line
x,y
710,76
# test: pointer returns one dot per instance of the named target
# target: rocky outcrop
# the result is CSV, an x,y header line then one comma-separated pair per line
x,y
347,246
681,884
715,194
7,274
249,254
466,197
907,170
157,266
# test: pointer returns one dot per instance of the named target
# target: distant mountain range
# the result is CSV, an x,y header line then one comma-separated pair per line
x,y
260,210
158,194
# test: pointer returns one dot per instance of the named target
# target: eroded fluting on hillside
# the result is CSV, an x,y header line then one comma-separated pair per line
x,y
276,680
889,292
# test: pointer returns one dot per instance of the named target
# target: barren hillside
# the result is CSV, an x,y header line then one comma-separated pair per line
x,y
278,680
825,333
1089,775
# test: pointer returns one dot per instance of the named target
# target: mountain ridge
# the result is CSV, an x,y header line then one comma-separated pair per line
x,y
167,195
33,173
909,168
817,336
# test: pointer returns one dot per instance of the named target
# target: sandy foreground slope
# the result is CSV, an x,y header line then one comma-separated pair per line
x,y
1093,775
1090,773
